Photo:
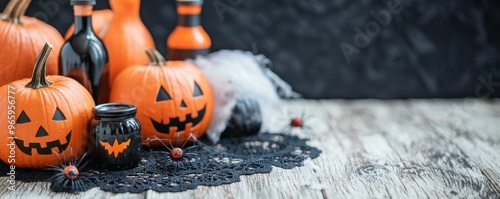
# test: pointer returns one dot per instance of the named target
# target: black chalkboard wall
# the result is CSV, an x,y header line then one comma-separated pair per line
x,y
346,48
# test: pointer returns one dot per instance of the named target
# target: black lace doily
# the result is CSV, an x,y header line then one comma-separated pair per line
x,y
218,164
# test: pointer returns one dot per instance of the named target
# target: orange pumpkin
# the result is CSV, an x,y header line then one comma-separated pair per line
x,y
100,23
47,117
127,37
170,97
22,39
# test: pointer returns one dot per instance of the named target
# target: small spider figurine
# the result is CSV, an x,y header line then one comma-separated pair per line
x,y
297,122
69,173
177,153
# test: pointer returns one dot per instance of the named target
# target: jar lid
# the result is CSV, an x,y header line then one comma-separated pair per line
x,y
190,2
83,2
111,110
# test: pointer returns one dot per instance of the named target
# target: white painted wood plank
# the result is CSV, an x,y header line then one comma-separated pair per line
x,y
41,190
386,150
473,125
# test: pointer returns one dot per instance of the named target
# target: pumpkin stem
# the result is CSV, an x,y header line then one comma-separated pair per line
x,y
153,61
19,10
39,72
8,10
156,59
161,59
25,7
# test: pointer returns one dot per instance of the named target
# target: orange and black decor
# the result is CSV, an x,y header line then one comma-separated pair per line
x,y
188,39
116,136
171,97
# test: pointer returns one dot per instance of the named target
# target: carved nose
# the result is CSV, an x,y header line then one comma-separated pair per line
x,y
41,132
183,105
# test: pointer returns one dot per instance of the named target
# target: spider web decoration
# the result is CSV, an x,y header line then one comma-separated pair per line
x,y
212,165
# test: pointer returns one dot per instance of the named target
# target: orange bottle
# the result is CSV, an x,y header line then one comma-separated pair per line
x,y
188,39
127,38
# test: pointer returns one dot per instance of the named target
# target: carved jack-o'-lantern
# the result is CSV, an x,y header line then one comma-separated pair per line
x,y
48,117
170,97
60,135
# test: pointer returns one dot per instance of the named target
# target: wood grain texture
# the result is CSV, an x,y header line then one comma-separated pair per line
x,y
392,151
371,149
473,127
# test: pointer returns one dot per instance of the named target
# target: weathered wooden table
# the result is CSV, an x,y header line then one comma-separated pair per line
x,y
371,149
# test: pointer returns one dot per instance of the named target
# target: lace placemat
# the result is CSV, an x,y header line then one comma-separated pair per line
x,y
203,164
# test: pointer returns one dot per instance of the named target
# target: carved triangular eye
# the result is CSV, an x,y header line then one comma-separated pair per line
x,y
23,118
183,104
162,95
41,132
197,91
58,115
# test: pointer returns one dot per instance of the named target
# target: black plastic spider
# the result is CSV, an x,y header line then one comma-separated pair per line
x,y
298,122
177,154
69,172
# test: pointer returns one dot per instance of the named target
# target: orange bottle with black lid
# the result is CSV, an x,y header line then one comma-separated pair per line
x,y
188,39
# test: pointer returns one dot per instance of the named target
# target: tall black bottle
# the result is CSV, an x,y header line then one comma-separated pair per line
x,y
84,56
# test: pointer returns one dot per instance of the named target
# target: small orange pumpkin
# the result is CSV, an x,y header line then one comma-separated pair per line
x,y
171,97
100,23
127,37
47,117
22,39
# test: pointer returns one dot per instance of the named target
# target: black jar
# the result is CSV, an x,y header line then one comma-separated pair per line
x,y
115,136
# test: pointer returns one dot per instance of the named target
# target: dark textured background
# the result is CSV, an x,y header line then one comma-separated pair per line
x,y
432,48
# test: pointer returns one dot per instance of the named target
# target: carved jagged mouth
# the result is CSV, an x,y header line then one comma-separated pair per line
x,y
175,122
45,150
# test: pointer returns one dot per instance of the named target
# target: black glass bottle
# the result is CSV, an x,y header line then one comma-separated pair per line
x,y
84,57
